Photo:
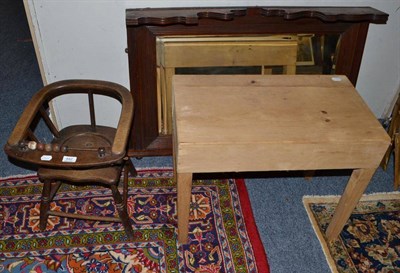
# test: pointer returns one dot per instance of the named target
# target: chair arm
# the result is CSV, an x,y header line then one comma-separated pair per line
x,y
124,123
27,116
118,148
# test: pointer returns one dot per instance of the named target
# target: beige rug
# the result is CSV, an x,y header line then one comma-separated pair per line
x,y
370,240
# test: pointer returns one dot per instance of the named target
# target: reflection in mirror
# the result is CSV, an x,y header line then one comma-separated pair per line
x,y
316,54
268,54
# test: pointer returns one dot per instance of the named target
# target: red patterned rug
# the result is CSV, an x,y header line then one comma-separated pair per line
x,y
223,236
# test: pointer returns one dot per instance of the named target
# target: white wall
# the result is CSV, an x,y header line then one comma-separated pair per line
x,y
87,39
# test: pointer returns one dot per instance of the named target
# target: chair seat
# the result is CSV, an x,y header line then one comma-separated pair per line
x,y
83,137
108,176
86,137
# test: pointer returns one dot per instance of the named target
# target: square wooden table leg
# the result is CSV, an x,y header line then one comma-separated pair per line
x,y
184,192
356,186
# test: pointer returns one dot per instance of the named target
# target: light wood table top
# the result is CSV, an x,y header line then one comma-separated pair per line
x,y
269,123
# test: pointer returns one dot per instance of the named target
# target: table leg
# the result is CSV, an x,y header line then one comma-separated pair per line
x,y
356,186
184,191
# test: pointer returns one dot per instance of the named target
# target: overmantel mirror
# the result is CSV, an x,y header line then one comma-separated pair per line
x,y
239,40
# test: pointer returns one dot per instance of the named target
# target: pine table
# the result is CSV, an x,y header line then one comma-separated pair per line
x,y
241,123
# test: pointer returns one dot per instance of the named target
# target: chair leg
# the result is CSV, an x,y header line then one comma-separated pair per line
x,y
125,185
309,174
396,161
45,205
392,131
122,211
129,165
128,168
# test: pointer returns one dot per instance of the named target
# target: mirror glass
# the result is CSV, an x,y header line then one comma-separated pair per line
x,y
273,54
316,54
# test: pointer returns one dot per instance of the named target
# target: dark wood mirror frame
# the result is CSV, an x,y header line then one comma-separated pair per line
x,y
144,25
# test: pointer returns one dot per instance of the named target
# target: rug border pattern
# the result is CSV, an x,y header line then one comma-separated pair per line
x,y
308,199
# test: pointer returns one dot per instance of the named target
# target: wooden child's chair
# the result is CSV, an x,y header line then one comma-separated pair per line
x,y
79,154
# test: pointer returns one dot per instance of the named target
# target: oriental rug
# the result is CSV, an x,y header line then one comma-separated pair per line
x,y
222,233
370,240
